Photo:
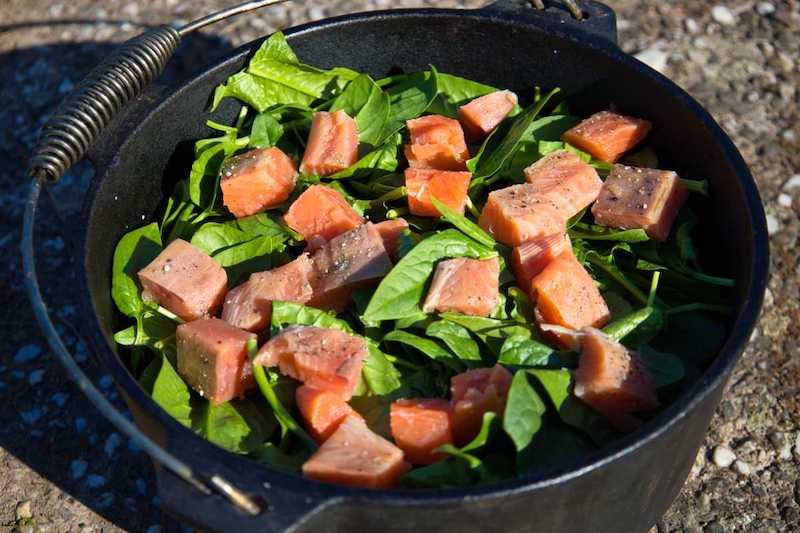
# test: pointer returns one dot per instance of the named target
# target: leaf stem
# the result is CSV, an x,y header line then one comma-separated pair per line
x,y
696,186
619,278
394,194
699,307
651,298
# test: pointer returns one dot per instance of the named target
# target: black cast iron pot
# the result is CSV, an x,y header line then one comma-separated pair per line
x,y
625,487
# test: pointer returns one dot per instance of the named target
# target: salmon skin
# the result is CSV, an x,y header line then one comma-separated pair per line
x,y
645,198
520,213
257,180
483,114
607,135
419,426
437,142
249,306
613,380
212,359
357,457
321,211
324,358
530,258
322,411
184,280
566,180
474,393
447,186
467,286
332,144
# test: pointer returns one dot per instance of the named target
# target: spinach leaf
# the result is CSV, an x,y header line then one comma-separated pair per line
x,y
167,389
454,91
553,447
259,93
238,426
271,455
457,338
465,225
428,347
204,176
265,132
379,373
520,350
410,98
363,100
666,369
305,79
594,232
451,472
523,413
383,158
151,329
399,293
621,327
522,309
491,331
134,251
276,47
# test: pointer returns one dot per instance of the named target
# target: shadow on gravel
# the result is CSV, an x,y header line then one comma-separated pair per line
x,y
45,422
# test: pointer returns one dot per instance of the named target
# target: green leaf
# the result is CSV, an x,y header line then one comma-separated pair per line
x,y
594,232
383,158
520,350
151,329
410,98
259,93
265,132
491,331
522,309
167,389
428,347
399,293
363,100
271,455
621,327
238,426
523,413
465,225
379,373
454,91
457,338
276,47
134,251
666,369
290,314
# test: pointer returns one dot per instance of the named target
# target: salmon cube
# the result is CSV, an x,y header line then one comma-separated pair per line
x,y
249,306
213,360
566,295
530,258
483,114
390,231
347,262
645,198
332,144
184,280
324,358
467,286
257,180
448,187
322,411
357,457
474,393
565,179
447,149
607,135
519,213
419,426
612,380
321,211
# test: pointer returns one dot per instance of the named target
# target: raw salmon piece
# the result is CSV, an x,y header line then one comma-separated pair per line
x,y
322,411
357,457
435,156
323,212
249,306
449,150
213,360
612,380
390,231
332,144
346,262
448,187
607,135
474,393
256,180
483,114
530,258
184,280
565,295
462,285
324,358
564,178
520,213
419,426
646,198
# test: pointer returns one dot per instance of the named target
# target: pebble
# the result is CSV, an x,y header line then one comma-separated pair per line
x,y
792,183
789,136
95,481
765,8
723,15
60,398
112,443
23,510
35,377
80,424
773,225
691,25
31,416
77,468
742,468
141,486
105,500
723,457
29,352
655,57
784,200
105,382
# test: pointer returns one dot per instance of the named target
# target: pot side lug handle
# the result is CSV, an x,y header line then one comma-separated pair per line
x,y
598,19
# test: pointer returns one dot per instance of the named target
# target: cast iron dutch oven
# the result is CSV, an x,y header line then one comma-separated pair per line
x,y
625,487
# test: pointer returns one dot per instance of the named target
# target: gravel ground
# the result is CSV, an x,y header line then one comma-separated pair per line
x,y
65,469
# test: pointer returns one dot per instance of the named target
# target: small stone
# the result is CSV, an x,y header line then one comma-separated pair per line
x,y
723,15
655,57
784,200
785,453
714,527
35,377
26,354
112,443
80,424
742,468
691,25
765,8
154,529
77,468
789,136
773,225
792,183
105,382
95,481
31,416
105,500
723,457
23,510
60,398
777,439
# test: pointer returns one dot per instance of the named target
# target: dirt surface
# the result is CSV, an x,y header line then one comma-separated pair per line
x,y
64,468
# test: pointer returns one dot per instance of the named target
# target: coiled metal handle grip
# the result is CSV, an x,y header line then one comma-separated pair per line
x,y
67,135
